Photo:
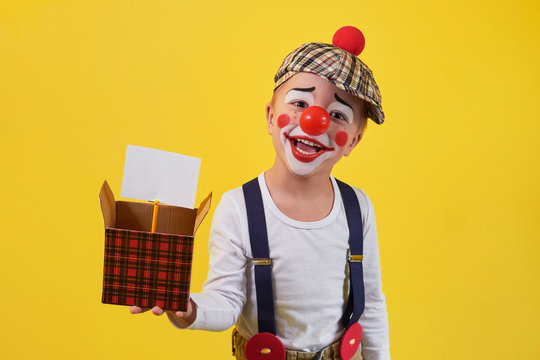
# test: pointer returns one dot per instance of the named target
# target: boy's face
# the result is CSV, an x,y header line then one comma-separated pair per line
x,y
306,154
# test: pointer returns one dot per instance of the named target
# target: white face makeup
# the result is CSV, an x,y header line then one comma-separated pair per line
x,y
341,108
303,152
296,95
288,135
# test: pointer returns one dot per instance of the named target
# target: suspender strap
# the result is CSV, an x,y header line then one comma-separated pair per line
x,y
261,256
355,304
258,238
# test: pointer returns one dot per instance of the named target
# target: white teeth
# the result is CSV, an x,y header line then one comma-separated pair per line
x,y
310,143
303,152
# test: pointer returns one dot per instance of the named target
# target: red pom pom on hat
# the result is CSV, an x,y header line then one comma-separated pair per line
x,y
350,39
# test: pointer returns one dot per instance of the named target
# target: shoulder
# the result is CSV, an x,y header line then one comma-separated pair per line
x,y
366,206
367,210
363,199
233,197
231,203
229,222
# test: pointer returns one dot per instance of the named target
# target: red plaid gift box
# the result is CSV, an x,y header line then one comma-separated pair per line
x,y
146,268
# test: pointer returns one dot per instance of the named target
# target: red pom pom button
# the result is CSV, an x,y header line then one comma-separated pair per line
x,y
350,341
265,346
349,38
314,120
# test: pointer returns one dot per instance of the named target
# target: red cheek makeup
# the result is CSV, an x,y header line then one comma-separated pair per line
x,y
283,120
341,138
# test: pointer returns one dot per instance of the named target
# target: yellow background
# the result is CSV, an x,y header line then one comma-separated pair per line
x,y
453,173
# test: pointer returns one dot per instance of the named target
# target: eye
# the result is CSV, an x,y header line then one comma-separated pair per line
x,y
338,115
300,103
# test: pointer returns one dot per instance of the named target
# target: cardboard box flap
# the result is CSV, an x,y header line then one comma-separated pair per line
x,y
170,220
202,211
108,205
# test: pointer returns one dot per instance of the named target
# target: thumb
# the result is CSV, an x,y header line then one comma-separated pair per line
x,y
188,311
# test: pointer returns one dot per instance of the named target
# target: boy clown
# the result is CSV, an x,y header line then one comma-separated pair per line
x,y
283,258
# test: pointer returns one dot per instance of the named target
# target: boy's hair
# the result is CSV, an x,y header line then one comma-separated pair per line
x,y
338,64
363,116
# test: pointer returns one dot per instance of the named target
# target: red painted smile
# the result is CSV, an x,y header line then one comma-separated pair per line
x,y
305,149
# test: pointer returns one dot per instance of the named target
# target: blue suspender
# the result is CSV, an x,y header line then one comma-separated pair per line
x,y
261,256
263,265
355,304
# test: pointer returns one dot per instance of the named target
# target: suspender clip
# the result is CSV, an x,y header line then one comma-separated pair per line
x,y
258,261
356,258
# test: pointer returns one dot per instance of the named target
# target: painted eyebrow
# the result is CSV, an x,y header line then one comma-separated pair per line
x,y
304,89
342,101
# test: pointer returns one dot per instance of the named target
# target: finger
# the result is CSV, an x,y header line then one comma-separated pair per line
x,y
184,313
157,310
137,309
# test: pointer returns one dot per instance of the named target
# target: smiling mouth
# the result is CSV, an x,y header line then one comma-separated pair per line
x,y
305,149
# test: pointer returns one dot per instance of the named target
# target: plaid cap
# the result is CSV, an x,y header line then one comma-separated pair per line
x,y
340,67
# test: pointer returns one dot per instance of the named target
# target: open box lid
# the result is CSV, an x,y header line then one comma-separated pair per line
x,y
132,215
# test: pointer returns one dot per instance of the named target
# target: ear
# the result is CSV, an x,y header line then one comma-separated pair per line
x,y
269,116
354,141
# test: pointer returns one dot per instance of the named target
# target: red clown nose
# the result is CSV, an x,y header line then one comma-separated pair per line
x,y
314,120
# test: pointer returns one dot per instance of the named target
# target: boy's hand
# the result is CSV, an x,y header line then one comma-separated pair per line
x,y
181,318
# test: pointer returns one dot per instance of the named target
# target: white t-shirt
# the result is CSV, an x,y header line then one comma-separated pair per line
x,y
309,272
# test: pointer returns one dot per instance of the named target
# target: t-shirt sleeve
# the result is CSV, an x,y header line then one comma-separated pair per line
x,y
224,292
374,320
